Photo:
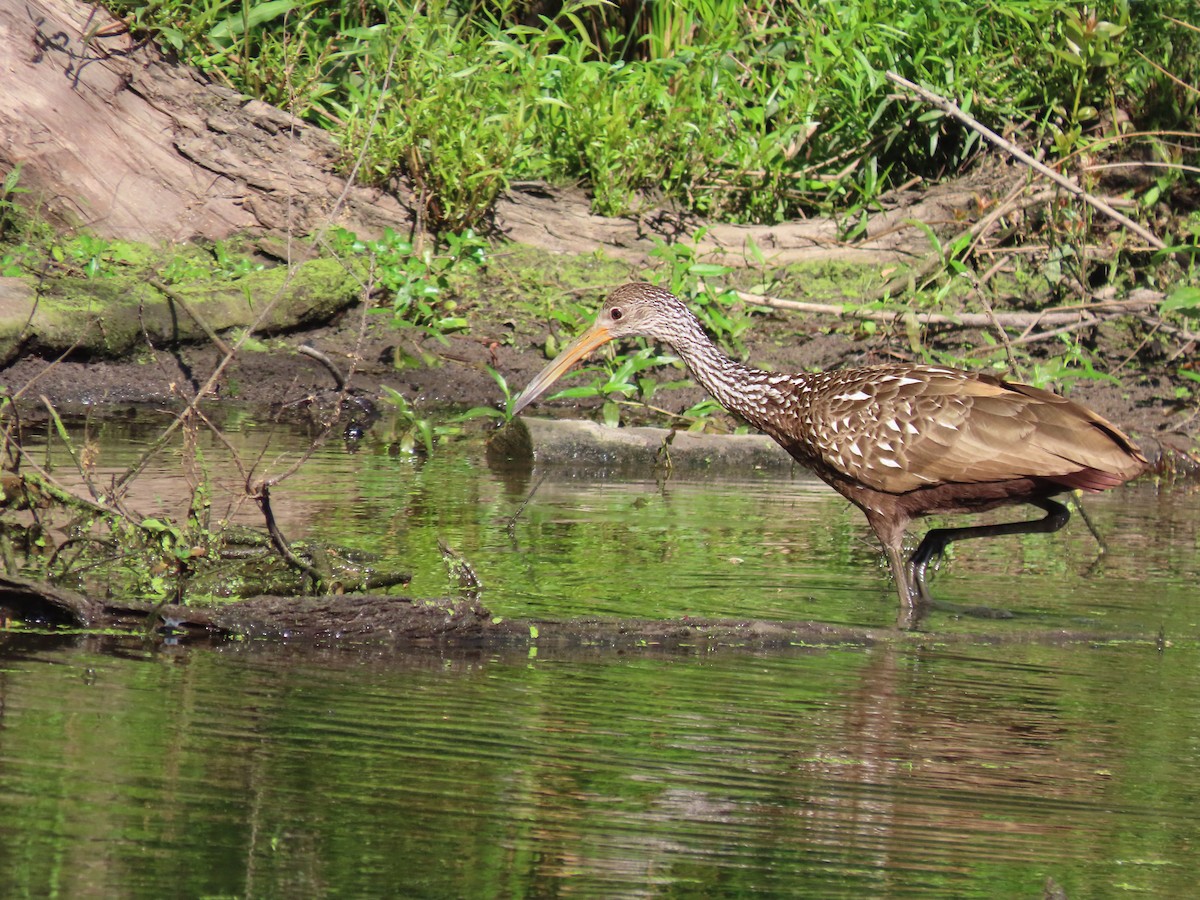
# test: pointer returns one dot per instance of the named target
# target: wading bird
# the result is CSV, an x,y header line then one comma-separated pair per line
x,y
898,441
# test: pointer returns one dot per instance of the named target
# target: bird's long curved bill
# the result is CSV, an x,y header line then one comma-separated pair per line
x,y
576,350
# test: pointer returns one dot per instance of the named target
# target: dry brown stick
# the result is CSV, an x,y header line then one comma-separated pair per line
x,y
963,320
280,542
991,314
1181,334
1033,338
1067,184
995,267
1138,349
1179,81
1140,164
314,353
175,297
235,457
1084,251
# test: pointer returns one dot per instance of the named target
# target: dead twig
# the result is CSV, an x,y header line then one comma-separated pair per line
x,y
1028,338
328,363
175,297
1060,316
991,314
1179,81
1067,184
263,498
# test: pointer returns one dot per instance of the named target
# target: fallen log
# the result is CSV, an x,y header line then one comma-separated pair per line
x,y
405,623
599,448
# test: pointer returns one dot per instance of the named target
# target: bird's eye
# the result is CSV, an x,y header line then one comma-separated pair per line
x,y
616,314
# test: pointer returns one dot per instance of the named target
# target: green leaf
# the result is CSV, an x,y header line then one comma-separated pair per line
x,y
929,234
585,390
239,23
477,412
612,414
708,270
1184,300
61,428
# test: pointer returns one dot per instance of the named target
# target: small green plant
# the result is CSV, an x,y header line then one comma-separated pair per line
x,y
230,264
1074,364
412,433
1187,391
699,415
1090,52
170,551
1184,300
621,375
90,253
491,412
13,261
416,280
11,214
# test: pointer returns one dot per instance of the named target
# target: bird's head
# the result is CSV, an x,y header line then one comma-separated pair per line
x,y
632,309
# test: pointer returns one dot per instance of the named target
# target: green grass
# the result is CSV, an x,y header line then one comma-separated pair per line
x,y
746,112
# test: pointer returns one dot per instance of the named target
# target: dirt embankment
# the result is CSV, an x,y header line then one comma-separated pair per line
x,y
1146,404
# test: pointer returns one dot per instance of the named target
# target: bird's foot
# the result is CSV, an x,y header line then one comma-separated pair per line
x,y
922,598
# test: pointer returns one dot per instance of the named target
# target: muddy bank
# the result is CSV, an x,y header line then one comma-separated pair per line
x,y
280,379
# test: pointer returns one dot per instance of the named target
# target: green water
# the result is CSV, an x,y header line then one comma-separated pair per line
x,y
924,768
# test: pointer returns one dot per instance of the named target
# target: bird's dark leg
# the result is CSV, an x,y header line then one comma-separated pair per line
x,y
910,610
889,528
935,542
900,574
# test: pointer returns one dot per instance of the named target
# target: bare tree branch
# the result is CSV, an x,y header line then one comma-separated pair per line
x,y
1054,317
1067,184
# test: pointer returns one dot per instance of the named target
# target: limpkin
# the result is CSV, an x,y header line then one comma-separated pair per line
x,y
899,441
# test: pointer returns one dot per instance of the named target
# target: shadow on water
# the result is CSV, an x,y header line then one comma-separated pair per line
x,y
919,767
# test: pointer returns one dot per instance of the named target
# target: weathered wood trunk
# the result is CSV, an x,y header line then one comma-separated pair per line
x,y
116,138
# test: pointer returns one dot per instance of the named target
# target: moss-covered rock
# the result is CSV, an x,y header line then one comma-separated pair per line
x,y
116,314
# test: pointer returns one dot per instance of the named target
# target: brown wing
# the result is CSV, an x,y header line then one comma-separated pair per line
x,y
898,428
